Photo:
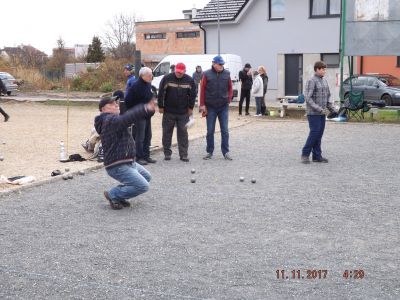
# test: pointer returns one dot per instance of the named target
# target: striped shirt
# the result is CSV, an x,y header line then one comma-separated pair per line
x,y
317,96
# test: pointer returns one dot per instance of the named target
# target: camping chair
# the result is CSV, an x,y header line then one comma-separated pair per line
x,y
355,105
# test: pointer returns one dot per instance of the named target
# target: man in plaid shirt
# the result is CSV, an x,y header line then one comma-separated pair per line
x,y
317,97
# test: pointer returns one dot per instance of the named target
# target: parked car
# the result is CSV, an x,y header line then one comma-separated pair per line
x,y
375,87
10,82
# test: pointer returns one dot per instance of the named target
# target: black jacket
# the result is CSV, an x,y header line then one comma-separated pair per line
x,y
265,82
139,92
116,139
247,80
176,95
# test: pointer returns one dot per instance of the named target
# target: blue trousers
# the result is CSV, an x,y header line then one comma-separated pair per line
x,y
134,180
222,113
313,143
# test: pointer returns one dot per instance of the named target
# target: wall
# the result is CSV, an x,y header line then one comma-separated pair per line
x,y
155,50
260,41
379,64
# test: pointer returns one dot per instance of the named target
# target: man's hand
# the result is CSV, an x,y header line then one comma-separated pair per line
x,y
151,106
325,111
190,111
161,110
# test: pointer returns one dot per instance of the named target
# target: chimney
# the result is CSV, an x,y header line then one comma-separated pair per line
x,y
194,12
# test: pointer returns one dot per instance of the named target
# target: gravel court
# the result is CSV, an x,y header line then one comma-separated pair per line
x,y
218,238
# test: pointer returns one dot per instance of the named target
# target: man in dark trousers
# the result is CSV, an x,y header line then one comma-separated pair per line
x,y
318,106
140,93
3,90
119,150
215,96
245,77
176,98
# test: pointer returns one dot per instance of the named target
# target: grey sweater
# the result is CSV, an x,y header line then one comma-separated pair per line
x,y
317,95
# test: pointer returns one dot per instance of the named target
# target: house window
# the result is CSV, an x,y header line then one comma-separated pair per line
x,y
187,34
332,60
276,9
325,8
398,61
155,36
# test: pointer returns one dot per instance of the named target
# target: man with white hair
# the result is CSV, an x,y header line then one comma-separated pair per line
x,y
140,93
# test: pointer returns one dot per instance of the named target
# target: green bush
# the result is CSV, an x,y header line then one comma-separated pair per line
x,y
88,85
106,87
77,83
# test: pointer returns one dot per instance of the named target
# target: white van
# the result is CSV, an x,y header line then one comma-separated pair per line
x,y
233,63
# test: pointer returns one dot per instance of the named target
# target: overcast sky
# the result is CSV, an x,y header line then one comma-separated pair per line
x,y
41,22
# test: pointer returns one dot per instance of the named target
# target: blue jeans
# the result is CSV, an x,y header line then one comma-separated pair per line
x,y
142,137
223,115
258,105
313,143
134,181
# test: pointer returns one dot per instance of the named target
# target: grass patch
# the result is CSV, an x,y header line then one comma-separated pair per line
x,y
71,103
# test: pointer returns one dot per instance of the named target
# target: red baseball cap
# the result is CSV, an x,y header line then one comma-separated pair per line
x,y
180,68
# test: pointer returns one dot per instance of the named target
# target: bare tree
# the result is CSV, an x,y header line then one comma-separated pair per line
x,y
119,36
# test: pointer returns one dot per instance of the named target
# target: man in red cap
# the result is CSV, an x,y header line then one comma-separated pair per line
x,y
176,98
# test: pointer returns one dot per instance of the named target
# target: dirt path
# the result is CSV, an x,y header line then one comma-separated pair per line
x,y
29,141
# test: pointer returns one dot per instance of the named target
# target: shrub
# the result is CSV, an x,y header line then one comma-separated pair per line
x,y
106,87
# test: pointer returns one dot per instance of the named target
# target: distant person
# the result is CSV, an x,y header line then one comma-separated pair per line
x,y
119,150
257,91
197,75
172,69
245,77
215,95
263,73
318,106
140,93
129,71
3,90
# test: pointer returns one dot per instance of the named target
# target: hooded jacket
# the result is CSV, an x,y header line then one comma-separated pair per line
x,y
116,139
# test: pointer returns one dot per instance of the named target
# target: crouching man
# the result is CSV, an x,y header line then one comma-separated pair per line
x,y
119,150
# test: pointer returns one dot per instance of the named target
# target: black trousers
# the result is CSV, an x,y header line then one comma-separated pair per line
x,y
168,123
244,94
5,115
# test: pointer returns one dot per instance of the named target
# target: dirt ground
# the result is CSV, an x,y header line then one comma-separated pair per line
x,y
30,140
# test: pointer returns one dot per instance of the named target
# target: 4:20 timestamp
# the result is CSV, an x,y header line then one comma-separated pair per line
x,y
301,274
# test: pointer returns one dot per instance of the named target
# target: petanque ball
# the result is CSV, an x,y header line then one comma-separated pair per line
x,y
1,158
81,172
241,179
66,169
65,177
193,171
253,180
193,180
70,176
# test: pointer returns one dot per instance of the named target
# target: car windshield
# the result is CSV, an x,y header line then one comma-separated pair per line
x,y
390,80
6,76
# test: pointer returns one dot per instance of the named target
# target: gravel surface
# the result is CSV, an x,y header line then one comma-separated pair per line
x,y
218,238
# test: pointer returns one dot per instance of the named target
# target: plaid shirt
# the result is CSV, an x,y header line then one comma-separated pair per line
x,y
317,95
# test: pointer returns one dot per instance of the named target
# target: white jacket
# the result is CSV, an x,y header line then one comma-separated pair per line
x,y
257,90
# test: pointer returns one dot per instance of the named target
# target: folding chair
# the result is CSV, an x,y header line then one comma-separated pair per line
x,y
355,105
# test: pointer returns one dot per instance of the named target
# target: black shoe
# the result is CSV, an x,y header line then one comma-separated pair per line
x,y
247,114
125,203
305,159
208,156
167,157
150,160
141,162
114,205
320,160
6,118
185,159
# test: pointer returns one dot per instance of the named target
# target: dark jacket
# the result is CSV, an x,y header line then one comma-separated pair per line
x,y
116,139
265,82
139,92
216,88
3,88
247,80
197,77
176,95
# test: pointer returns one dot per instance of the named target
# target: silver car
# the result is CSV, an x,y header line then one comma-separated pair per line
x,y
375,87
10,82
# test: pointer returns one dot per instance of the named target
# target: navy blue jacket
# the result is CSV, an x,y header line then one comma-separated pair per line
x,y
139,92
116,139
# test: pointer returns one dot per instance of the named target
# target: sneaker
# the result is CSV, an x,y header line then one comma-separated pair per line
x,y
167,157
208,156
141,162
305,159
150,160
125,203
185,159
114,205
320,160
227,156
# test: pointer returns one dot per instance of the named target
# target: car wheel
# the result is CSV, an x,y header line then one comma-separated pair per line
x,y
387,99
8,93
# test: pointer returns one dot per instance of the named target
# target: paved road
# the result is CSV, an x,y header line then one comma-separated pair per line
x,y
218,238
